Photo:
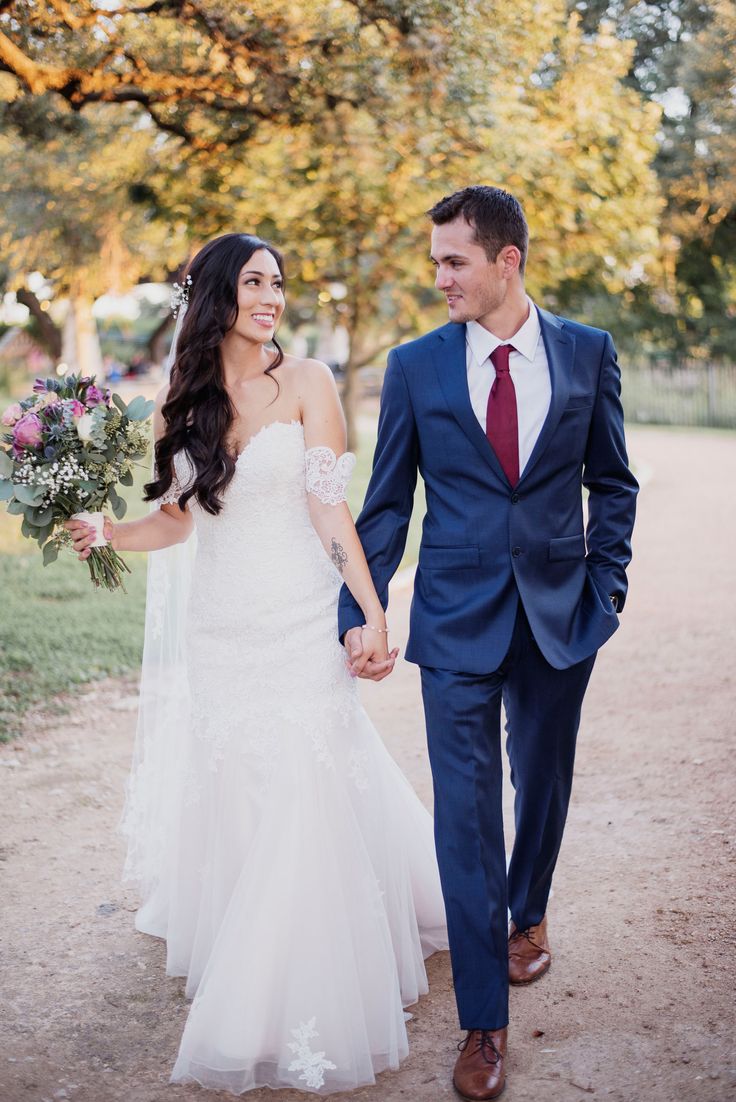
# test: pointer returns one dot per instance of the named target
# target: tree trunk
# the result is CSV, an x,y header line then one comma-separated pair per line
x,y
350,384
81,344
49,334
350,401
156,349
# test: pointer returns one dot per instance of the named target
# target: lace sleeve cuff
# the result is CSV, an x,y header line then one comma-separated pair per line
x,y
172,495
327,476
175,490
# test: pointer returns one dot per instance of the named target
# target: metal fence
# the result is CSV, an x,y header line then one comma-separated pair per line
x,y
690,393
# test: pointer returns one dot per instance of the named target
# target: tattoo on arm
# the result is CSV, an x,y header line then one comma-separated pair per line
x,y
338,555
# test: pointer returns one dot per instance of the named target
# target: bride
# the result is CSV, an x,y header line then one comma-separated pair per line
x,y
281,853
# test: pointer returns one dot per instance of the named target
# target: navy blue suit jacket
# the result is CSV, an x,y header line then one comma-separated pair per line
x,y
486,544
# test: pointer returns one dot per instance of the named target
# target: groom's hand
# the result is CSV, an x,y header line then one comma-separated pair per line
x,y
367,655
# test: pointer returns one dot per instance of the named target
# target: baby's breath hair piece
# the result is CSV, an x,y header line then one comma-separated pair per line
x,y
180,295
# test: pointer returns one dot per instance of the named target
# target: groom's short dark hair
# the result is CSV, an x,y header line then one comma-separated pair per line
x,y
495,215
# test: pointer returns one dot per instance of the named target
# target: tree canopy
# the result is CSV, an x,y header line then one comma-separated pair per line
x,y
131,134
684,59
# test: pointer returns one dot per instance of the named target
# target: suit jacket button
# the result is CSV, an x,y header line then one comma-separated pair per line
x,y
514,499
516,551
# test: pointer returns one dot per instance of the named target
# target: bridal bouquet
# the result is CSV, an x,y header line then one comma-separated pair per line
x,y
67,447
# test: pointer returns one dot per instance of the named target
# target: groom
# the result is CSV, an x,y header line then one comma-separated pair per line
x,y
507,412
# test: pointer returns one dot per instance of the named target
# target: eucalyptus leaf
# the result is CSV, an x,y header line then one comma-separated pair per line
x,y
7,490
50,553
41,516
44,533
29,495
6,465
118,504
140,408
28,529
17,509
120,404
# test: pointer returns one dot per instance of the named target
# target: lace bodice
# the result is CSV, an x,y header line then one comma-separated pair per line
x,y
318,470
260,569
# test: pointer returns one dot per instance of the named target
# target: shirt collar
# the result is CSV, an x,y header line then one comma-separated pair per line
x,y
525,340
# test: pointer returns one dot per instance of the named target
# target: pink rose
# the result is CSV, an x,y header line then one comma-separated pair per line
x,y
76,407
12,414
28,431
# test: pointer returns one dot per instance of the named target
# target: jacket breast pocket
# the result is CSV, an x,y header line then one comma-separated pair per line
x,y
567,547
448,558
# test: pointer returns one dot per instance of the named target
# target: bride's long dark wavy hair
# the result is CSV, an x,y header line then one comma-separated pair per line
x,y
198,411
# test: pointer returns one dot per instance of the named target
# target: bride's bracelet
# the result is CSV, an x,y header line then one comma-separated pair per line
x,y
370,627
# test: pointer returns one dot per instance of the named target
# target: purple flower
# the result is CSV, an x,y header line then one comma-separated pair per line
x,y
39,387
28,432
94,396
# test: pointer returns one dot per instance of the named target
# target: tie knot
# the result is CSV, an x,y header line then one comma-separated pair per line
x,y
500,357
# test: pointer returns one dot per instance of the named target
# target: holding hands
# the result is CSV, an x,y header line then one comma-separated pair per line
x,y
368,654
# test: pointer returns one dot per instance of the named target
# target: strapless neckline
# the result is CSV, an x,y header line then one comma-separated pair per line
x,y
263,429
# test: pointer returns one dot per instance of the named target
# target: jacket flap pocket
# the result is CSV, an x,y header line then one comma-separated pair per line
x,y
580,401
568,547
448,558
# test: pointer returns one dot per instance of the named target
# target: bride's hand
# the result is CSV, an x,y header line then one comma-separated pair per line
x,y
368,654
84,535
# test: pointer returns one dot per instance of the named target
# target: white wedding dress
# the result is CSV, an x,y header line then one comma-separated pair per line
x,y
285,858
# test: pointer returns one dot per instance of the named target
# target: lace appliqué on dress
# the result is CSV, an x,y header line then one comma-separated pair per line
x,y
180,482
327,476
172,495
358,771
312,1065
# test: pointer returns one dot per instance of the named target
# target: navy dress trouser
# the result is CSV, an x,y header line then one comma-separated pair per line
x,y
463,717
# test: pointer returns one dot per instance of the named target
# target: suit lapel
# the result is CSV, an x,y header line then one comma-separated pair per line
x,y
559,345
450,361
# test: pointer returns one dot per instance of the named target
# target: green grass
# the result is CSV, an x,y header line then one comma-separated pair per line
x,y
57,632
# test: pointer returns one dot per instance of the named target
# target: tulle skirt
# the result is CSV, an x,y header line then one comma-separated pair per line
x,y
293,877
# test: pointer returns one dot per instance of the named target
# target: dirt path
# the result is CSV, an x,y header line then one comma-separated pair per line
x,y
638,1005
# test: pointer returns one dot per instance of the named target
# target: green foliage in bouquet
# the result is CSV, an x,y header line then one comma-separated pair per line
x,y
67,448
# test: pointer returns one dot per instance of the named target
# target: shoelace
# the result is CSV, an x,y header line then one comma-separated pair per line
x,y
483,1042
525,934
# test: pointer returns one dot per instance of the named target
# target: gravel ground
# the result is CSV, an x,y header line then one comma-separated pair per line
x,y
638,1004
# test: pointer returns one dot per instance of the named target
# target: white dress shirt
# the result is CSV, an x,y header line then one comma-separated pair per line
x,y
529,372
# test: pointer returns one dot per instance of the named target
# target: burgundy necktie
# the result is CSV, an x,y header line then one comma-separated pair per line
x,y
502,425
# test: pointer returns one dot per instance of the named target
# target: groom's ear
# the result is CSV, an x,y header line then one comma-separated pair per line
x,y
510,257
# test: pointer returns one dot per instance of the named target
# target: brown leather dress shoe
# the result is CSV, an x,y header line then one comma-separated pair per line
x,y
479,1071
529,955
